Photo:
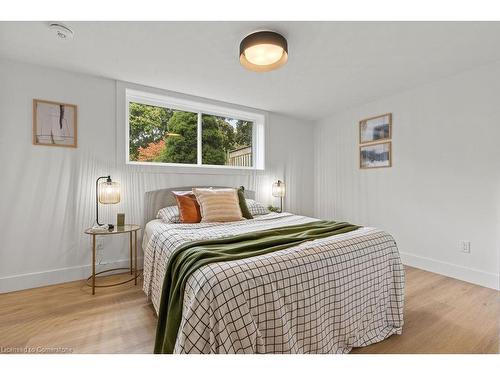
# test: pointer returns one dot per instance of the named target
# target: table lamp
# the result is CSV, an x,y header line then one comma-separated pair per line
x,y
107,192
279,191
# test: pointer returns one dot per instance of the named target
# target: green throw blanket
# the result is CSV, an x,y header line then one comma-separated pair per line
x,y
189,257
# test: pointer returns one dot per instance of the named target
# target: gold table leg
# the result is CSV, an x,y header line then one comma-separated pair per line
x,y
93,264
135,251
131,253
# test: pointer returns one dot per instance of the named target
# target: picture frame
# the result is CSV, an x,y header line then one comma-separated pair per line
x,y
54,124
375,155
375,129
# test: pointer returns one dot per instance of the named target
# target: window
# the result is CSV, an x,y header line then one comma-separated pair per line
x,y
226,141
159,134
168,131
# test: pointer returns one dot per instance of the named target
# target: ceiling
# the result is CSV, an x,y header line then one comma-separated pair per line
x,y
331,65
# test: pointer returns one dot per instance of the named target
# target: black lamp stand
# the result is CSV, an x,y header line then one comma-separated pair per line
x,y
108,179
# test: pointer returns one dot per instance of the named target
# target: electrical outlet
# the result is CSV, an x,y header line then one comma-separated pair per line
x,y
99,244
99,256
465,246
99,249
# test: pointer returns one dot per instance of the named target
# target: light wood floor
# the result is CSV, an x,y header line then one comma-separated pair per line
x,y
442,315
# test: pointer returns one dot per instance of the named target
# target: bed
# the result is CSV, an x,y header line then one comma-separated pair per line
x,y
323,296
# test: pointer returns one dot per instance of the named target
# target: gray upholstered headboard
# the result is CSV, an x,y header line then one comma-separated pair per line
x,y
157,199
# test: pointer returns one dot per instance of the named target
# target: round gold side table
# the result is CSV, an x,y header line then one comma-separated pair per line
x,y
128,228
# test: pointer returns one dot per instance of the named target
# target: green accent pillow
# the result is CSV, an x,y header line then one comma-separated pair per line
x,y
245,212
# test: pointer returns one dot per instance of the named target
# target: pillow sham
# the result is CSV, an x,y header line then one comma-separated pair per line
x,y
218,205
256,208
189,209
169,214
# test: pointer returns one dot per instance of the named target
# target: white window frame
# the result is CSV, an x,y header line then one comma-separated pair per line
x,y
201,108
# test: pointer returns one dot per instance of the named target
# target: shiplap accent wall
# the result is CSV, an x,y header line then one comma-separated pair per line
x,y
444,185
47,193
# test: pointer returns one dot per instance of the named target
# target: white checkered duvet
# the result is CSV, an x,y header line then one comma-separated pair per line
x,y
322,296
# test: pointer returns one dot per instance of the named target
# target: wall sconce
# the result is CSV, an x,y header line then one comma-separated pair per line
x,y
279,191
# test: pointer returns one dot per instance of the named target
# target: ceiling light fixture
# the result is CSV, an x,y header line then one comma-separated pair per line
x,y
263,51
62,31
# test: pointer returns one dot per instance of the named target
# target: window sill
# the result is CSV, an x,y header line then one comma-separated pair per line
x,y
151,167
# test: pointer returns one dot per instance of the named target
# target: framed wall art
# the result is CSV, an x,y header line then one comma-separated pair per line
x,y
54,124
375,129
376,155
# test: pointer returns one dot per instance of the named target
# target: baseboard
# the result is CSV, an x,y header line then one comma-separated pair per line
x,y
471,275
57,276
63,275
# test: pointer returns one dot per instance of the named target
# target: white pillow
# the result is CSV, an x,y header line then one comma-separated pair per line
x,y
256,208
169,214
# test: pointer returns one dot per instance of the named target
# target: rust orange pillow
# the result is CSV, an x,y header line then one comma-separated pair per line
x,y
189,209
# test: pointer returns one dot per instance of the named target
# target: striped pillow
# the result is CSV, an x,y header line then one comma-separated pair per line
x,y
218,205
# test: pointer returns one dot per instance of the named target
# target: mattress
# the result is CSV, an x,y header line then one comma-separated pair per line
x,y
322,296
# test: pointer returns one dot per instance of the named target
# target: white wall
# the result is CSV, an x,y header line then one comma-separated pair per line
x,y
47,193
444,184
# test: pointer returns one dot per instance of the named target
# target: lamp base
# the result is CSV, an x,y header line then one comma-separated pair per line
x,y
99,228
103,227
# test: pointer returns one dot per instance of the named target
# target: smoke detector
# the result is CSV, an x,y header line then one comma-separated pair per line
x,y
62,31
